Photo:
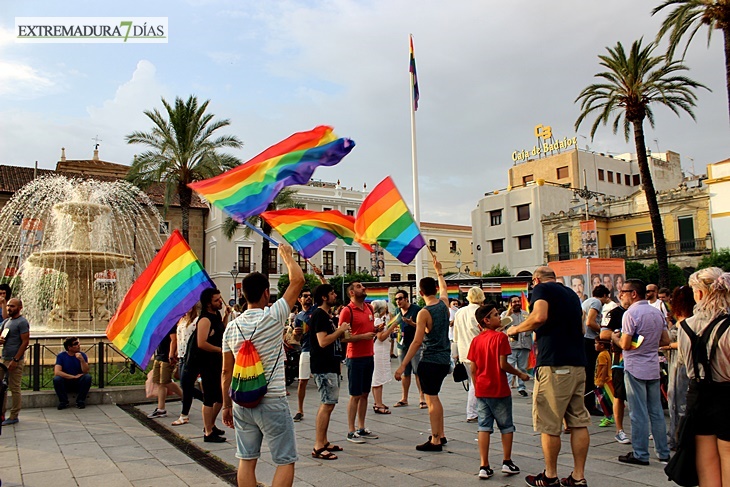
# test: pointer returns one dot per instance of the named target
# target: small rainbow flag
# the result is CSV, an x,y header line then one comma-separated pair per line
x,y
376,293
636,341
524,301
453,290
248,189
604,398
160,296
510,289
412,69
385,219
310,231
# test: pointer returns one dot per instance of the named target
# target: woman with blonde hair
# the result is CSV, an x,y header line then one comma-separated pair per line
x,y
381,373
708,398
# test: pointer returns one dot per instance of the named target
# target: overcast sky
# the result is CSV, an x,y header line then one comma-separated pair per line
x,y
488,73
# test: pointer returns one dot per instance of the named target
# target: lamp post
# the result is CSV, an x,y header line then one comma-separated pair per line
x,y
234,275
585,194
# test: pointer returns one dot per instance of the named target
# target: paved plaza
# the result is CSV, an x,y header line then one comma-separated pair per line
x,y
105,446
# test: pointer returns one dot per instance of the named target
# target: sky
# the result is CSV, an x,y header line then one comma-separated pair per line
x,y
488,74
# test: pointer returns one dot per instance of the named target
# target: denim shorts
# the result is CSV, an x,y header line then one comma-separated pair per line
x,y
360,375
328,386
272,420
412,366
490,409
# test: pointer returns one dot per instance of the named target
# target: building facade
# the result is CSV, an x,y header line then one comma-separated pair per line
x,y
718,183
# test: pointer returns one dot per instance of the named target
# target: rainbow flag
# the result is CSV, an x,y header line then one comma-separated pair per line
x,y
453,290
310,231
636,341
248,189
510,289
524,301
160,296
376,293
384,219
604,398
412,70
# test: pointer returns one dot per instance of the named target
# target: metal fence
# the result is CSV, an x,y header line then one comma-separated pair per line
x,y
642,251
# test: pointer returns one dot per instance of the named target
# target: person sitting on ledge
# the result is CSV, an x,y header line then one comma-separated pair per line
x,y
71,373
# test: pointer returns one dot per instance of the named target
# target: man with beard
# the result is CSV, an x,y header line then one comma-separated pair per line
x,y
521,344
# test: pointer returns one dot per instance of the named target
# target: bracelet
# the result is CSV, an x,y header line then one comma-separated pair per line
x,y
226,407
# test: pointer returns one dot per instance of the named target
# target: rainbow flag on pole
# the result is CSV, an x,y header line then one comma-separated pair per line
x,y
310,231
414,77
510,289
160,296
248,189
384,219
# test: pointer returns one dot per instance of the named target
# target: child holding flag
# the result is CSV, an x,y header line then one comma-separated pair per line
x,y
602,378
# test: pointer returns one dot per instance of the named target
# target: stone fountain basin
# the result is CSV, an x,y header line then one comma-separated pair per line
x,y
80,261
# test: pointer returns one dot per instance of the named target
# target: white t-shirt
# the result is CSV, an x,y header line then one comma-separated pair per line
x,y
659,304
604,312
268,340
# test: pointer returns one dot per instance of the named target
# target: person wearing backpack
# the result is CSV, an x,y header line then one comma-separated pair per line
x,y
270,418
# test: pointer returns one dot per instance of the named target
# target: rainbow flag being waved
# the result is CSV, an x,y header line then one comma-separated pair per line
x,y
160,296
310,231
384,219
248,189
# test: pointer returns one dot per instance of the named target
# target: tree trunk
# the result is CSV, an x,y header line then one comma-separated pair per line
x,y
186,196
660,244
726,35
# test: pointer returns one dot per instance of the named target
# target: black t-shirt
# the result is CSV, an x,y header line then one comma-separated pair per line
x,y
324,360
560,338
162,354
408,331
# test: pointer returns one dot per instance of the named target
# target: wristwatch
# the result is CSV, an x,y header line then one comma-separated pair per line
x,y
16,359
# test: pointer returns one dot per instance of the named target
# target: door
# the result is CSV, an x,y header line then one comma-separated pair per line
x,y
686,233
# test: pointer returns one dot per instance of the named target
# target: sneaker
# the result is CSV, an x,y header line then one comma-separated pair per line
x,y
211,438
569,481
622,438
298,417
510,468
522,393
157,413
428,446
367,434
81,405
10,421
62,405
630,458
540,480
664,461
354,438
485,472
472,420
605,422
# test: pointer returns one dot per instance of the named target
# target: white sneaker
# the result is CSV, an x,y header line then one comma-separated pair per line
x,y
485,472
354,438
157,413
510,468
622,438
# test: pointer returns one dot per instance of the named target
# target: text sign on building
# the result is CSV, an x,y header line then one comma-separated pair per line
x,y
546,144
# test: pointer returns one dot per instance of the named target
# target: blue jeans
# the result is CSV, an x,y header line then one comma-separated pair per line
x,y
518,359
81,386
645,406
498,409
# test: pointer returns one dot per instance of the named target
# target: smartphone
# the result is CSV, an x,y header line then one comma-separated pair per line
x,y
5,332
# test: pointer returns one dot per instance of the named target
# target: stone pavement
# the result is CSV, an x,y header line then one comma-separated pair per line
x,y
112,448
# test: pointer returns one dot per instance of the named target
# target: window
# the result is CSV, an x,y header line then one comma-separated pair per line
x,y
495,217
497,246
350,212
610,176
164,228
563,246
300,206
644,240
523,212
618,178
524,242
601,175
637,181
350,262
273,262
452,246
563,172
528,178
244,259
17,218
627,179
411,277
432,245
395,277
328,262
301,261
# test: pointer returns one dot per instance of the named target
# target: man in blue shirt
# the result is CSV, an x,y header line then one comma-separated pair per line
x,y
71,373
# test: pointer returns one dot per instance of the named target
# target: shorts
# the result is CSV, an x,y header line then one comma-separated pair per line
x,y
619,388
432,377
707,407
272,420
161,372
490,409
328,386
304,367
558,395
360,375
412,366
211,368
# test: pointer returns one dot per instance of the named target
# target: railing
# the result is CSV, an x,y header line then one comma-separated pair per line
x,y
642,251
108,366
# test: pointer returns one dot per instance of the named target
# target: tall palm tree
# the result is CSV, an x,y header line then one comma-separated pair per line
x,y
285,199
630,86
182,149
688,17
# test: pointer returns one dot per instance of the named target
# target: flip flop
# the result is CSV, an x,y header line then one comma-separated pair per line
x,y
423,405
381,410
323,454
330,447
400,404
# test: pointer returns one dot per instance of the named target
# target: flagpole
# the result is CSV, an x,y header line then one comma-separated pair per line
x,y
414,159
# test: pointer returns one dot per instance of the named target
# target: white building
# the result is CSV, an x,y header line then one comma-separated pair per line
x,y
718,182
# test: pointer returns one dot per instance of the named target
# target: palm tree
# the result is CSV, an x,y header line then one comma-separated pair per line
x,y
182,150
285,199
631,85
688,17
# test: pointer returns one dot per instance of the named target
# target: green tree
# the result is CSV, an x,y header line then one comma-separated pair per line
x,y
311,282
631,85
720,258
285,199
497,270
650,274
687,17
182,149
336,282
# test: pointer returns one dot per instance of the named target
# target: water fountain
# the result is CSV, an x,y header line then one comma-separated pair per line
x,y
72,248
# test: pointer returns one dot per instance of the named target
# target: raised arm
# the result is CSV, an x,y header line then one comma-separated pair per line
x,y
443,291
296,275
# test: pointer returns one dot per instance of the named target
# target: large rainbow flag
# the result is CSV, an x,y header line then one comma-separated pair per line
x,y
376,293
248,189
310,231
510,289
160,296
385,219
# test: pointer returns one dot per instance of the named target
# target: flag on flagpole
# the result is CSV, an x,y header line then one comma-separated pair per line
x,y
414,78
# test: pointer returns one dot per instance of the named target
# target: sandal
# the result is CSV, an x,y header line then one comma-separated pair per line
x,y
400,404
423,405
381,409
181,420
323,454
330,447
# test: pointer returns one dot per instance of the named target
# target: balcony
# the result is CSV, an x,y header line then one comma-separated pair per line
x,y
642,251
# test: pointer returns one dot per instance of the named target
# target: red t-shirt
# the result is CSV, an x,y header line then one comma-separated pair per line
x,y
361,321
490,380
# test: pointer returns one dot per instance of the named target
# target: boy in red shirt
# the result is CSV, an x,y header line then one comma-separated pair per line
x,y
489,367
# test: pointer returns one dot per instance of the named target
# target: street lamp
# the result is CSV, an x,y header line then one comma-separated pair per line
x,y
234,275
585,194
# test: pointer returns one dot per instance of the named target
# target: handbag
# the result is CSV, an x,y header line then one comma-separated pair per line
x,y
460,375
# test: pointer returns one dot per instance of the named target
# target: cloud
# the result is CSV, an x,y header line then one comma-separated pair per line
x,y
22,81
223,57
